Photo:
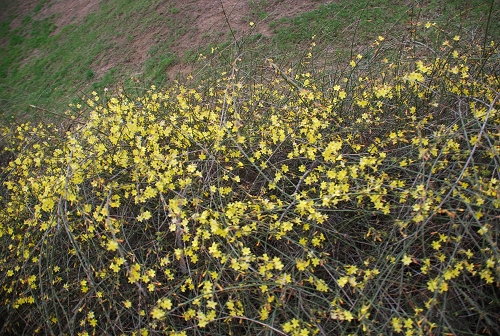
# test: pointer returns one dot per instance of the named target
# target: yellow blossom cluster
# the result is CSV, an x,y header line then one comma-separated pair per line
x,y
289,205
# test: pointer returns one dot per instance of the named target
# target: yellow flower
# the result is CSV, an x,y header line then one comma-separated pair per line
x,y
397,325
304,332
443,287
351,269
332,150
287,327
482,231
214,250
114,267
415,77
343,281
406,260
436,244
487,276
144,216
112,245
432,284
302,264
264,313
321,285
165,303
157,313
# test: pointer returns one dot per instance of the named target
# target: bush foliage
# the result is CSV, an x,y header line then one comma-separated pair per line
x,y
285,202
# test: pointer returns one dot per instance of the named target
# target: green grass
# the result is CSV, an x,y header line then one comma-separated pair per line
x,y
66,63
347,23
39,5
258,9
157,64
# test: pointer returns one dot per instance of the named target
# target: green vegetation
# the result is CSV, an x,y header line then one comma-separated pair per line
x,y
363,20
39,6
316,192
258,9
46,68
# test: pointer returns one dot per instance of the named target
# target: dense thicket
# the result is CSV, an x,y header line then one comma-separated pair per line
x,y
281,202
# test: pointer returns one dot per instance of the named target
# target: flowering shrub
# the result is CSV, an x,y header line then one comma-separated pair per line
x,y
292,204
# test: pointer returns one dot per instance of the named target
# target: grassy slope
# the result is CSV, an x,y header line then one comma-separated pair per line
x,y
50,71
65,62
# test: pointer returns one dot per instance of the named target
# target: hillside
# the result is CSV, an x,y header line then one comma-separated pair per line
x,y
56,51
68,46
